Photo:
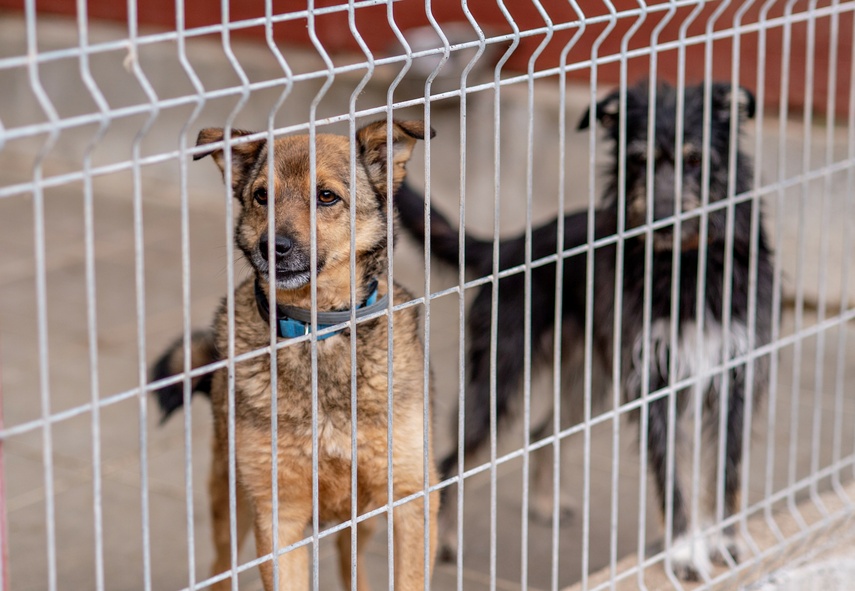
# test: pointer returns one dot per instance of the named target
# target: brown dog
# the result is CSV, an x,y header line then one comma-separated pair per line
x,y
290,193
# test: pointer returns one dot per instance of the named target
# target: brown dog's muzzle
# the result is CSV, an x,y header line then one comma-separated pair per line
x,y
291,264
283,246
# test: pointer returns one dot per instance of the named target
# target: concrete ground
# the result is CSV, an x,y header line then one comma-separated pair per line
x,y
813,403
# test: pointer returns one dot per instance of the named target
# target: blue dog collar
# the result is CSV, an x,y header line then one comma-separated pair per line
x,y
292,322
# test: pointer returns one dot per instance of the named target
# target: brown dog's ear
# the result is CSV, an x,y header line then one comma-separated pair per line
x,y
371,141
243,154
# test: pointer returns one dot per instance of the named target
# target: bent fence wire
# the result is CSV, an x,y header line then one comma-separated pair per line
x,y
113,244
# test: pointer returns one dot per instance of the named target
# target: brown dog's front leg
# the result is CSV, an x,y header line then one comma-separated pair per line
x,y
218,490
409,546
293,566
363,532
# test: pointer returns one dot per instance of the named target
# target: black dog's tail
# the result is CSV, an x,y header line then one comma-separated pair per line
x,y
508,364
171,362
444,237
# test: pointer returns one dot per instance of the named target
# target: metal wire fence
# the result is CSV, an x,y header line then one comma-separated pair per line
x,y
113,244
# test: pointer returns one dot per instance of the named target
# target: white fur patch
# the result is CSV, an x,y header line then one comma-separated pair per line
x,y
690,552
694,356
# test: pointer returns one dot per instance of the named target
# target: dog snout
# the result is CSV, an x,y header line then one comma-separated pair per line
x,y
663,192
283,246
663,207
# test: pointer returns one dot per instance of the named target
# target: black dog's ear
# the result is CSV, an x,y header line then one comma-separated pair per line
x,y
606,112
371,141
722,96
244,154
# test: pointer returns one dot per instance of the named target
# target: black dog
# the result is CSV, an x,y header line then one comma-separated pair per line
x,y
726,301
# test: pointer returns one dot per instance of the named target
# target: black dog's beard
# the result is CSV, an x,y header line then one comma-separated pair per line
x,y
690,237
663,237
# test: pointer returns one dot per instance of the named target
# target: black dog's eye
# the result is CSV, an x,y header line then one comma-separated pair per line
x,y
693,160
260,195
326,197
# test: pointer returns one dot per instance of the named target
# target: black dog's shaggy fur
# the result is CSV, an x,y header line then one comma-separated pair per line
x,y
675,178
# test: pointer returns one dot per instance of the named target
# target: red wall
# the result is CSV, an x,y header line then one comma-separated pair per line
x,y
334,33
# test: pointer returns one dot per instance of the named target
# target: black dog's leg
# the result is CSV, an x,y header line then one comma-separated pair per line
x,y
477,407
733,453
508,369
733,461
478,402
657,454
723,547
689,555
542,498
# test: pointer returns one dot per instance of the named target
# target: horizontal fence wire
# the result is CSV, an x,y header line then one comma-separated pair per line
x,y
596,383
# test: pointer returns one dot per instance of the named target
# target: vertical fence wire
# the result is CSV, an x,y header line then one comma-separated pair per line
x,y
354,457
793,437
132,61
807,156
701,282
287,88
41,291
557,374
647,298
187,329
671,467
228,183
771,417
313,266
589,296
527,313
617,320
91,295
830,107
426,390
461,281
390,278
494,302
754,245
728,393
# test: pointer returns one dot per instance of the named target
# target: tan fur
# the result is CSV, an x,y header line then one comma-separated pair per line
x,y
291,192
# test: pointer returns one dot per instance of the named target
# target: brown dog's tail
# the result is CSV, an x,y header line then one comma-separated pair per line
x,y
444,237
171,362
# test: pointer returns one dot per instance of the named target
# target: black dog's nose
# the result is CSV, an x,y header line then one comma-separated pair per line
x,y
283,246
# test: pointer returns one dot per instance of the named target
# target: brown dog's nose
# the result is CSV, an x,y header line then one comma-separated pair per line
x,y
283,246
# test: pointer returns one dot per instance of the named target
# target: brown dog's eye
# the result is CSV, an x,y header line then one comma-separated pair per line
x,y
326,197
260,195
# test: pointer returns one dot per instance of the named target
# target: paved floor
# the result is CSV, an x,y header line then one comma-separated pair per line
x,y
801,432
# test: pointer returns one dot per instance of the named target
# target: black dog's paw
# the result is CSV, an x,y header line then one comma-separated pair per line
x,y
727,551
686,572
690,558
